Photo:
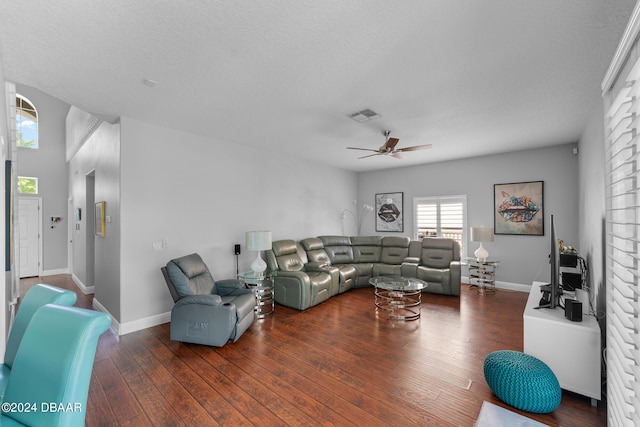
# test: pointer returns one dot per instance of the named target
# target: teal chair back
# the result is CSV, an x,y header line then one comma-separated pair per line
x,y
37,296
53,366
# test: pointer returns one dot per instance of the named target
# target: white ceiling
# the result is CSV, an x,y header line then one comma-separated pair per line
x,y
471,77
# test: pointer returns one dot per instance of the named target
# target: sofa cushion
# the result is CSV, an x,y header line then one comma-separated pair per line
x,y
290,263
287,256
335,240
436,258
338,248
366,240
283,247
439,252
366,249
387,270
394,250
315,250
440,275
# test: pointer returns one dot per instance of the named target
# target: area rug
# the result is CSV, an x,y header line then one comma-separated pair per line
x,y
496,416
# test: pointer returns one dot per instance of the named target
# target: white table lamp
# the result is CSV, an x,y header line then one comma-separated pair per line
x,y
258,241
482,235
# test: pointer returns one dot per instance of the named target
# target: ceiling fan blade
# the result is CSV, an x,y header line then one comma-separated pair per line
x,y
397,155
415,148
364,149
390,144
369,155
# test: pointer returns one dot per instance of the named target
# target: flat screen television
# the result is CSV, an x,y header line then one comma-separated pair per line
x,y
551,291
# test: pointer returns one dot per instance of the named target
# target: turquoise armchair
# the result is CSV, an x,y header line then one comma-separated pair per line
x,y
37,296
52,368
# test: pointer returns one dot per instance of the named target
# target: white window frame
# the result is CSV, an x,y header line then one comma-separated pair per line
x,y
439,200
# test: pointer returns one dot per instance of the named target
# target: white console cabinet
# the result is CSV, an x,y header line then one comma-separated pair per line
x,y
570,349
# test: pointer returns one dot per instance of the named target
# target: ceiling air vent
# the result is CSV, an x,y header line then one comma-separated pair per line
x,y
364,115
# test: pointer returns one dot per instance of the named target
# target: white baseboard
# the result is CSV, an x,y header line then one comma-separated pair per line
x,y
145,323
83,288
513,286
506,285
55,272
136,325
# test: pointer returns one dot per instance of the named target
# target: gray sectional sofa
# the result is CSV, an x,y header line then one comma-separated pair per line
x,y
313,270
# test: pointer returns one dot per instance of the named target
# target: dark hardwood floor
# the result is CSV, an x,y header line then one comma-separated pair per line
x,y
334,364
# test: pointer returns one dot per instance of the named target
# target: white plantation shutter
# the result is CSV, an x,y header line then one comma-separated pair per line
x,y
622,191
427,217
451,215
441,217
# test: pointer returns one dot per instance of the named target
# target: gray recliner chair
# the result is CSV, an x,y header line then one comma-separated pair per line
x,y
206,312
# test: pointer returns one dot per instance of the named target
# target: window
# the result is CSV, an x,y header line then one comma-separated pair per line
x,y
622,238
444,216
27,185
26,123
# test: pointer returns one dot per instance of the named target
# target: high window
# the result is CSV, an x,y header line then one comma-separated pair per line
x,y
26,123
27,185
444,216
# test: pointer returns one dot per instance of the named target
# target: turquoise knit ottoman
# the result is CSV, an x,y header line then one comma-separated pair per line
x,y
522,381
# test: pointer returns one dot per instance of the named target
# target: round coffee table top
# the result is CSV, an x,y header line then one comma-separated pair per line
x,y
398,283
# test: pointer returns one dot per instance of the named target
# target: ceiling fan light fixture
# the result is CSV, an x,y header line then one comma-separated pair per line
x,y
364,115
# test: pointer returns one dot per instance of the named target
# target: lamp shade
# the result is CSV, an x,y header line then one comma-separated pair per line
x,y
258,240
481,234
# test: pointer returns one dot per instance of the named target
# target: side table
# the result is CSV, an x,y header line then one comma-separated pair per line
x,y
262,286
482,274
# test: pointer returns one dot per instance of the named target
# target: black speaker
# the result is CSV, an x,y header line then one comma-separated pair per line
x,y
573,310
237,250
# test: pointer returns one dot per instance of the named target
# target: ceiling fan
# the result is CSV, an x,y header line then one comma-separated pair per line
x,y
389,148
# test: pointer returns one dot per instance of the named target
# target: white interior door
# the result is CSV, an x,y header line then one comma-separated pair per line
x,y
29,222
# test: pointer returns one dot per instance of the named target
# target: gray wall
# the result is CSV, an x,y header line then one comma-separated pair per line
x,y
201,195
49,165
523,259
5,279
100,157
592,203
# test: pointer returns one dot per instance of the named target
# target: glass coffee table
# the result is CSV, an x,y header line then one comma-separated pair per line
x,y
399,297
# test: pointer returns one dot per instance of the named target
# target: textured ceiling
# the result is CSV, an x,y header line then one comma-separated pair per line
x,y
471,77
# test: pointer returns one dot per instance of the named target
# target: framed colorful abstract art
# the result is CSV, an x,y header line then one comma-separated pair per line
x,y
518,208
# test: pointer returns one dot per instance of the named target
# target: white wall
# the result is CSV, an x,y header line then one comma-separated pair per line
x,y
523,259
202,195
48,164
